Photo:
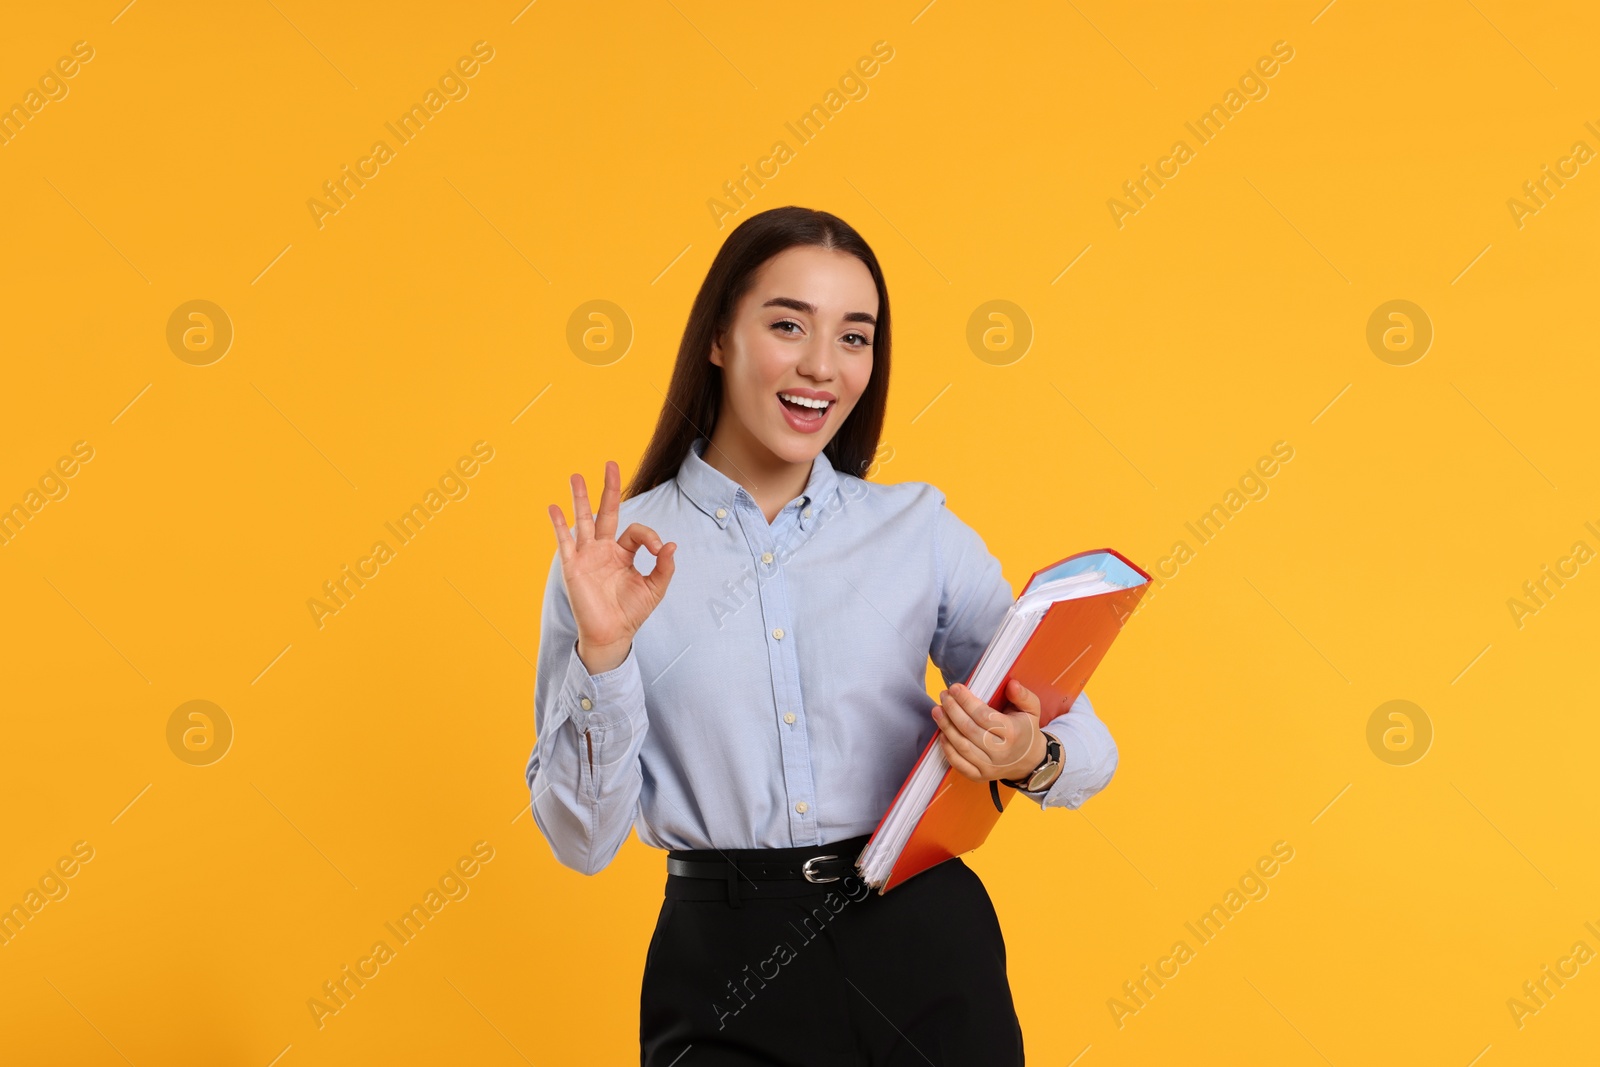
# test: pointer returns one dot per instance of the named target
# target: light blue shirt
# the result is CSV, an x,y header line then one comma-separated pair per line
x,y
776,696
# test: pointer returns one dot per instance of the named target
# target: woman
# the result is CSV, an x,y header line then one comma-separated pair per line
x,y
755,714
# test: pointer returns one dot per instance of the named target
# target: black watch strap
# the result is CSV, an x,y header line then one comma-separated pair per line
x,y
1050,745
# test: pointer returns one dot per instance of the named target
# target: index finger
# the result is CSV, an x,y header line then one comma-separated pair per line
x,y
970,715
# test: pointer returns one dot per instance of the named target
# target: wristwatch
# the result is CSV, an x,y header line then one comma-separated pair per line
x,y
1044,775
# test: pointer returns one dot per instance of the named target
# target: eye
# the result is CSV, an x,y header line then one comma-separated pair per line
x,y
786,322
860,338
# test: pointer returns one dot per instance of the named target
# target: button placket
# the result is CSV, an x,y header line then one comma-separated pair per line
x,y
777,617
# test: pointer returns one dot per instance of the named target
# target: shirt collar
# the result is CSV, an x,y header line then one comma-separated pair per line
x,y
713,492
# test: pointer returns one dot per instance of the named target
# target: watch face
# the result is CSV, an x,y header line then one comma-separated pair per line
x,y
1047,775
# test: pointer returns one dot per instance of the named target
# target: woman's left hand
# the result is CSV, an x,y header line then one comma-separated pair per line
x,y
983,744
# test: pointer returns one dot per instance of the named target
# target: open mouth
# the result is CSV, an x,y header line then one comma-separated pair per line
x,y
804,408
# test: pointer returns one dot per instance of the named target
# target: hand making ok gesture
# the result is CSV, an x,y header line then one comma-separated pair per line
x,y
610,599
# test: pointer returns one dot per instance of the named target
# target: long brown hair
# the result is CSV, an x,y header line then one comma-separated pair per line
x,y
694,396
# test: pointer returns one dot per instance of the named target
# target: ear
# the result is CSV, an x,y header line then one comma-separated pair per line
x,y
716,352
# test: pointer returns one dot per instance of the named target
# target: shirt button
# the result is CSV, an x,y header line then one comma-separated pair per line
x,y
778,633
722,513
788,717
806,513
586,703
801,807
766,557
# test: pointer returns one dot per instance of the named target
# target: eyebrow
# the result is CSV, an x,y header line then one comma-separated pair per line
x,y
810,309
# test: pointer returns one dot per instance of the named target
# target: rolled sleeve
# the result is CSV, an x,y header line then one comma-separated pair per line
x,y
1088,753
583,774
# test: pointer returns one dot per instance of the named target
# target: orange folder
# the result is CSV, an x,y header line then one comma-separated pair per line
x,y
1068,644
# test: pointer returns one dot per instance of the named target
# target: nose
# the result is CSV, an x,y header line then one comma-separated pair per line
x,y
816,359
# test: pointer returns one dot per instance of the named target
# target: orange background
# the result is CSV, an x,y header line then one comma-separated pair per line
x,y
370,754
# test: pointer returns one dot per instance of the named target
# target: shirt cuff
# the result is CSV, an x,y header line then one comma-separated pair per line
x,y
605,700
1087,767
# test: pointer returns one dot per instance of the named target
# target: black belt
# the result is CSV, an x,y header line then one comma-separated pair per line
x,y
816,864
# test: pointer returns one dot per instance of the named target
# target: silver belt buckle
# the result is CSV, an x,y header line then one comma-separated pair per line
x,y
805,869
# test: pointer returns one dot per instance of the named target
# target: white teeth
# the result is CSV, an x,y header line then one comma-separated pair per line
x,y
805,401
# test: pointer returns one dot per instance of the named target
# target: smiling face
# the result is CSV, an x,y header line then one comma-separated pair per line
x,y
797,355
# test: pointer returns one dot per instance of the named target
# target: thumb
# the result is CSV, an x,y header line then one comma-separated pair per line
x,y
1024,698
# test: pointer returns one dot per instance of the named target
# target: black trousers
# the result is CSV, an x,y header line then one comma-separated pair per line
x,y
827,975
